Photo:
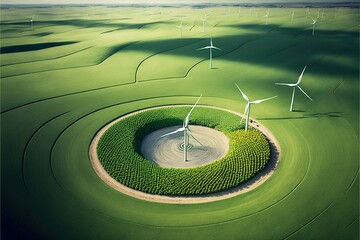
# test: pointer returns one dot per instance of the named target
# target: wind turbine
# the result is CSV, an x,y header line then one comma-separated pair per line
x,y
210,47
294,86
292,16
248,105
180,27
267,16
239,9
185,128
313,23
307,13
204,21
32,23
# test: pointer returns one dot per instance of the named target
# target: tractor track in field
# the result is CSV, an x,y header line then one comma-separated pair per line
x,y
311,220
353,181
42,60
28,143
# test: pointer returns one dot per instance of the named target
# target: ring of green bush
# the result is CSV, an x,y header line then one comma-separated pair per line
x,y
119,153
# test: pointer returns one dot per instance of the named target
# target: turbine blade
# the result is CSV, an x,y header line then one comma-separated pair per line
x,y
244,96
301,75
263,100
207,47
304,92
170,133
285,84
188,116
216,48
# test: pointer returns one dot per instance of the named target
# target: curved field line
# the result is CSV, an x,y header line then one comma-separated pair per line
x,y
352,222
313,219
197,63
58,57
29,141
76,67
336,88
262,210
100,109
137,68
64,95
229,220
167,227
222,222
353,181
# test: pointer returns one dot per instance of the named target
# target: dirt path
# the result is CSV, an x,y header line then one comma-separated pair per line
x,y
254,182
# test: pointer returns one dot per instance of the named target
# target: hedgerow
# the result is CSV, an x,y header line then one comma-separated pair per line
x,y
119,153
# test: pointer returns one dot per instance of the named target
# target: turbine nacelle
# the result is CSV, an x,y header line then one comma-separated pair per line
x,y
210,47
294,86
247,107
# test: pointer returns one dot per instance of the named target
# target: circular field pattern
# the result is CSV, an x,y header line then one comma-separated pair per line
x,y
168,151
248,154
76,68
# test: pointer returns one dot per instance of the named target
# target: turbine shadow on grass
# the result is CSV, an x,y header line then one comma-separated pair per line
x,y
33,47
310,115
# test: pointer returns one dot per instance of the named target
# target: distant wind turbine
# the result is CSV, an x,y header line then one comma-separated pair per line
x,y
203,21
180,27
32,22
185,128
248,105
267,16
210,48
294,86
239,9
313,23
307,13
292,16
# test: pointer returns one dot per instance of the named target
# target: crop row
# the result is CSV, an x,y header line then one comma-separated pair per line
x,y
119,153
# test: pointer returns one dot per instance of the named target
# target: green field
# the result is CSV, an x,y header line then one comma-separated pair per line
x,y
78,68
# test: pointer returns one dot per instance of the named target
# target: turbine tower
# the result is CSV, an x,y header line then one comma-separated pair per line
x,y
248,105
185,128
294,86
267,16
313,23
32,23
210,47
180,27
203,21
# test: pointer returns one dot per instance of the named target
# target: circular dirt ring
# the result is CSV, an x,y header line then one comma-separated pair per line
x,y
168,151
247,186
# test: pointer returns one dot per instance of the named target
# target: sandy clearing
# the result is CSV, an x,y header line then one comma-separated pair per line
x,y
249,185
165,151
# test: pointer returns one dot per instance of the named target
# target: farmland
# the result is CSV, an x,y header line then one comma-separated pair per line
x,y
75,69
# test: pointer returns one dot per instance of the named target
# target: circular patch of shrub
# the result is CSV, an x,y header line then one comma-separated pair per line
x,y
119,153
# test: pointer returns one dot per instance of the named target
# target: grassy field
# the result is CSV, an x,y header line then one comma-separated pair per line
x,y
78,68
